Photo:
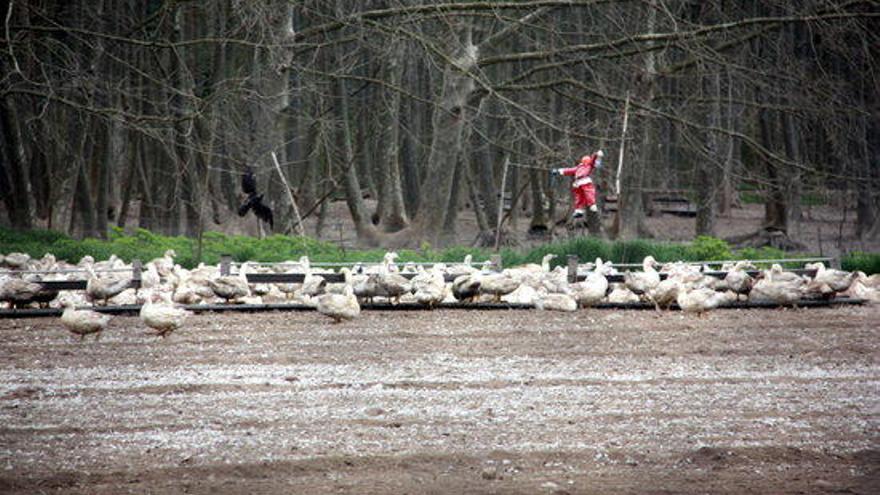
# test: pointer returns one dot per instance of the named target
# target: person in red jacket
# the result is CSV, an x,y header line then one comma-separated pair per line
x,y
582,189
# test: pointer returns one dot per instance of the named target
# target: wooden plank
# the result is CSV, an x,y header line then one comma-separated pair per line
x,y
663,276
77,284
297,278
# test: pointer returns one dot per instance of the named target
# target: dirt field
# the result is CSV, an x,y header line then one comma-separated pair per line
x,y
741,401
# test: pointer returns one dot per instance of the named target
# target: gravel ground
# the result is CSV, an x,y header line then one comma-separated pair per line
x,y
768,401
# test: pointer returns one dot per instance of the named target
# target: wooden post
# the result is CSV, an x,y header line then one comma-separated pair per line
x,y
225,261
572,268
501,203
495,259
136,269
299,222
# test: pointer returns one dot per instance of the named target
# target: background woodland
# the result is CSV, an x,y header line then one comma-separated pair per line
x,y
146,114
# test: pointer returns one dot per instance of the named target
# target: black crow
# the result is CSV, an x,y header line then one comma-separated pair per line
x,y
254,201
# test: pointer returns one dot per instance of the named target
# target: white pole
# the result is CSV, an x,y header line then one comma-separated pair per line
x,y
501,203
299,223
622,143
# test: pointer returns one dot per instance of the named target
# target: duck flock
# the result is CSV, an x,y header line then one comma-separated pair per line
x,y
165,286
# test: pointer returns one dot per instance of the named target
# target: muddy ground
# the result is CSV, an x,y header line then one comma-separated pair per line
x,y
761,401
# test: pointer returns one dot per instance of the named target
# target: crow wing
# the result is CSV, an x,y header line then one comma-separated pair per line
x,y
248,182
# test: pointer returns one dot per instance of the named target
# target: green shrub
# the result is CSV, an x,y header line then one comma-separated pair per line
x,y
859,261
709,249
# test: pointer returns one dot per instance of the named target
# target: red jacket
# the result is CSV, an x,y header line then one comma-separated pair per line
x,y
581,171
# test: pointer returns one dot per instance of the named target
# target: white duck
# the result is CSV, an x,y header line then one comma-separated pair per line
x,y
555,301
290,289
150,277
665,293
738,280
339,287
778,286
18,292
430,291
544,267
497,284
621,295
699,300
642,282
83,322
366,287
232,286
390,283
102,289
163,317
531,274
836,280
165,264
592,290
465,268
522,295
313,285
466,288
47,263
339,306
192,287
864,287
17,261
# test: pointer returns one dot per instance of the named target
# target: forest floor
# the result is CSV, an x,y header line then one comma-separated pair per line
x,y
766,401
824,230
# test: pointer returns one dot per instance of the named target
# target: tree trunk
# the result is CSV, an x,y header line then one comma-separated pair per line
x,y
867,218
393,211
450,117
129,186
410,119
484,168
707,168
366,231
14,170
147,215
539,218
775,206
100,157
474,197
83,203
308,191
728,185
793,178
454,203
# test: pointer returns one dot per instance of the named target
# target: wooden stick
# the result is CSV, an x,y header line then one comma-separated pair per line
x,y
501,203
495,259
136,268
622,143
299,223
572,268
